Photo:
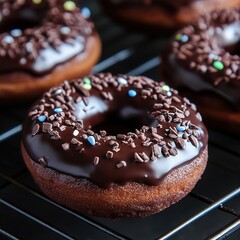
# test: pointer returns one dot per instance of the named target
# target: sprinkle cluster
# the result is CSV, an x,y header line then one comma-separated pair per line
x,y
174,129
63,23
197,46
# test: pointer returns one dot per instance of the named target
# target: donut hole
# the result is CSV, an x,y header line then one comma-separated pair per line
x,y
127,119
23,19
228,38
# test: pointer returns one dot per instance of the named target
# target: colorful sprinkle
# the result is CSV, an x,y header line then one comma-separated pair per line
x,y
185,38
181,128
169,94
182,37
122,81
57,110
8,39
132,93
41,118
165,88
16,32
87,87
91,140
86,12
218,65
69,5
37,1
86,80
65,30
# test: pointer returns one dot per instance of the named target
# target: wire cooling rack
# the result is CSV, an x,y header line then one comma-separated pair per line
x,y
211,211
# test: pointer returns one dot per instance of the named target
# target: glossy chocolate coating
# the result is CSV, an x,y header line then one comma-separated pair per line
x,y
36,37
215,38
124,153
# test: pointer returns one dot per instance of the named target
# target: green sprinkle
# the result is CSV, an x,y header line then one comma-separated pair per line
x,y
165,88
178,37
218,65
37,1
86,80
87,87
69,5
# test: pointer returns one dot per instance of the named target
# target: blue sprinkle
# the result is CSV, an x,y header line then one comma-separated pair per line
x,y
91,140
16,32
132,93
86,12
57,110
169,94
184,38
41,118
181,128
122,81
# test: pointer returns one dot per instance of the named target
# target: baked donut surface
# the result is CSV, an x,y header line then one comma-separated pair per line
x,y
205,58
130,141
39,41
163,13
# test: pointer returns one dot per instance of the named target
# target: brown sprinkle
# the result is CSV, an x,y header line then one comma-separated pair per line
x,y
35,129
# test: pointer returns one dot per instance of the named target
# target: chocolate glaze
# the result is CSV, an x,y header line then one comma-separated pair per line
x,y
37,37
168,5
121,155
215,37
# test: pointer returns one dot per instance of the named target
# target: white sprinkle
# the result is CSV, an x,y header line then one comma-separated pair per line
x,y
58,91
213,56
8,39
29,47
122,81
75,133
23,61
16,32
65,30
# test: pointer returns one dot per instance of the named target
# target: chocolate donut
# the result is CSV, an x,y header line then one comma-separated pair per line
x,y
43,43
203,62
115,146
163,13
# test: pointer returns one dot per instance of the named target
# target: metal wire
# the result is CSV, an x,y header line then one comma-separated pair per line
x,y
8,235
226,231
35,219
10,132
81,217
201,214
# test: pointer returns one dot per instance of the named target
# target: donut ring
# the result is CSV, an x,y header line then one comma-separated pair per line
x,y
205,58
42,44
163,13
130,173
